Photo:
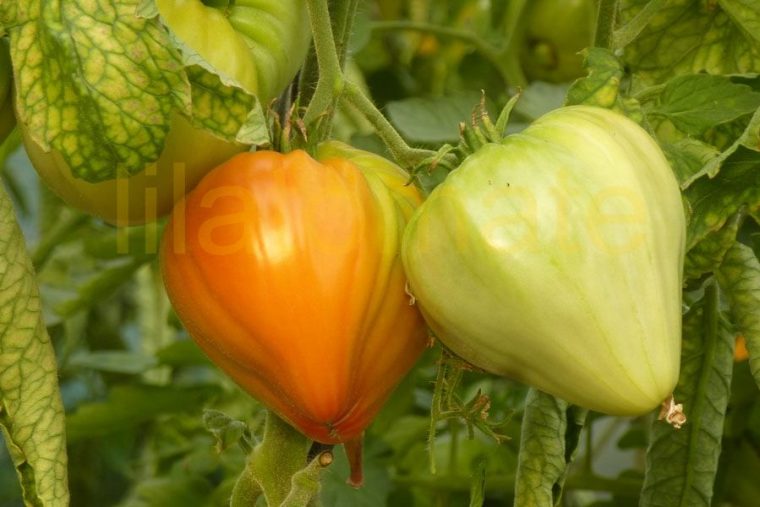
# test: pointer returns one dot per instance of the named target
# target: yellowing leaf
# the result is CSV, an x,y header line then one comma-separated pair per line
x,y
691,36
97,84
31,413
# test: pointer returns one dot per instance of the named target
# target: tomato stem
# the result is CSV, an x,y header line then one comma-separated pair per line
x,y
343,15
605,23
405,155
330,82
277,468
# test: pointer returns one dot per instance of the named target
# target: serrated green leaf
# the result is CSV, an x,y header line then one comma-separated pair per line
x,y
31,413
713,201
688,37
688,158
696,103
739,276
681,464
708,254
602,85
130,405
97,84
550,433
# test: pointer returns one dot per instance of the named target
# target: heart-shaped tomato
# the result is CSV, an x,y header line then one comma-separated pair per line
x,y
287,272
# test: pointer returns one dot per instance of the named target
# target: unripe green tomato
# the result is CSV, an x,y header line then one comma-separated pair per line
x,y
260,44
555,257
555,31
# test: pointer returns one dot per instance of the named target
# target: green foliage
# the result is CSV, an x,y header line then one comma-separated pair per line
x,y
681,465
30,404
547,447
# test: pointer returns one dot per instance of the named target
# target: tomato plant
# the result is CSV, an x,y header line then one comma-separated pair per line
x,y
458,263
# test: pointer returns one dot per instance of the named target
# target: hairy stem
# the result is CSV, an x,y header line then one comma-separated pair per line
x,y
605,23
406,156
330,82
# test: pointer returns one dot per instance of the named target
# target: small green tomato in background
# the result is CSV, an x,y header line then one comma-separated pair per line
x,y
555,258
555,31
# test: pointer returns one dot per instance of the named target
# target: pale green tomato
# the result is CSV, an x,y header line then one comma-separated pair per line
x,y
555,258
260,44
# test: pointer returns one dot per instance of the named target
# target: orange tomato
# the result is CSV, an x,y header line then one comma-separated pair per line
x,y
286,271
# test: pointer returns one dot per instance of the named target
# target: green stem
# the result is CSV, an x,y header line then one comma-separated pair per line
x,y
330,82
495,55
343,14
605,23
510,52
272,464
454,449
406,156
246,491
626,34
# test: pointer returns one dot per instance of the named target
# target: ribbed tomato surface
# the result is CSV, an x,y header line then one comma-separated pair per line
x,y
286,271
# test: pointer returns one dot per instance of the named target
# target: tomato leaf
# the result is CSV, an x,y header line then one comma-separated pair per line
x,y
749,138
681,464
713,201
602,85
130,405
31,413
97,84
539,98
739,276
691,36
707,255
226,111
696,103
550,431
688,157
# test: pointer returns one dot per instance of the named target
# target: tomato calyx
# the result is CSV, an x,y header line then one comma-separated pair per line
x,y
480,131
